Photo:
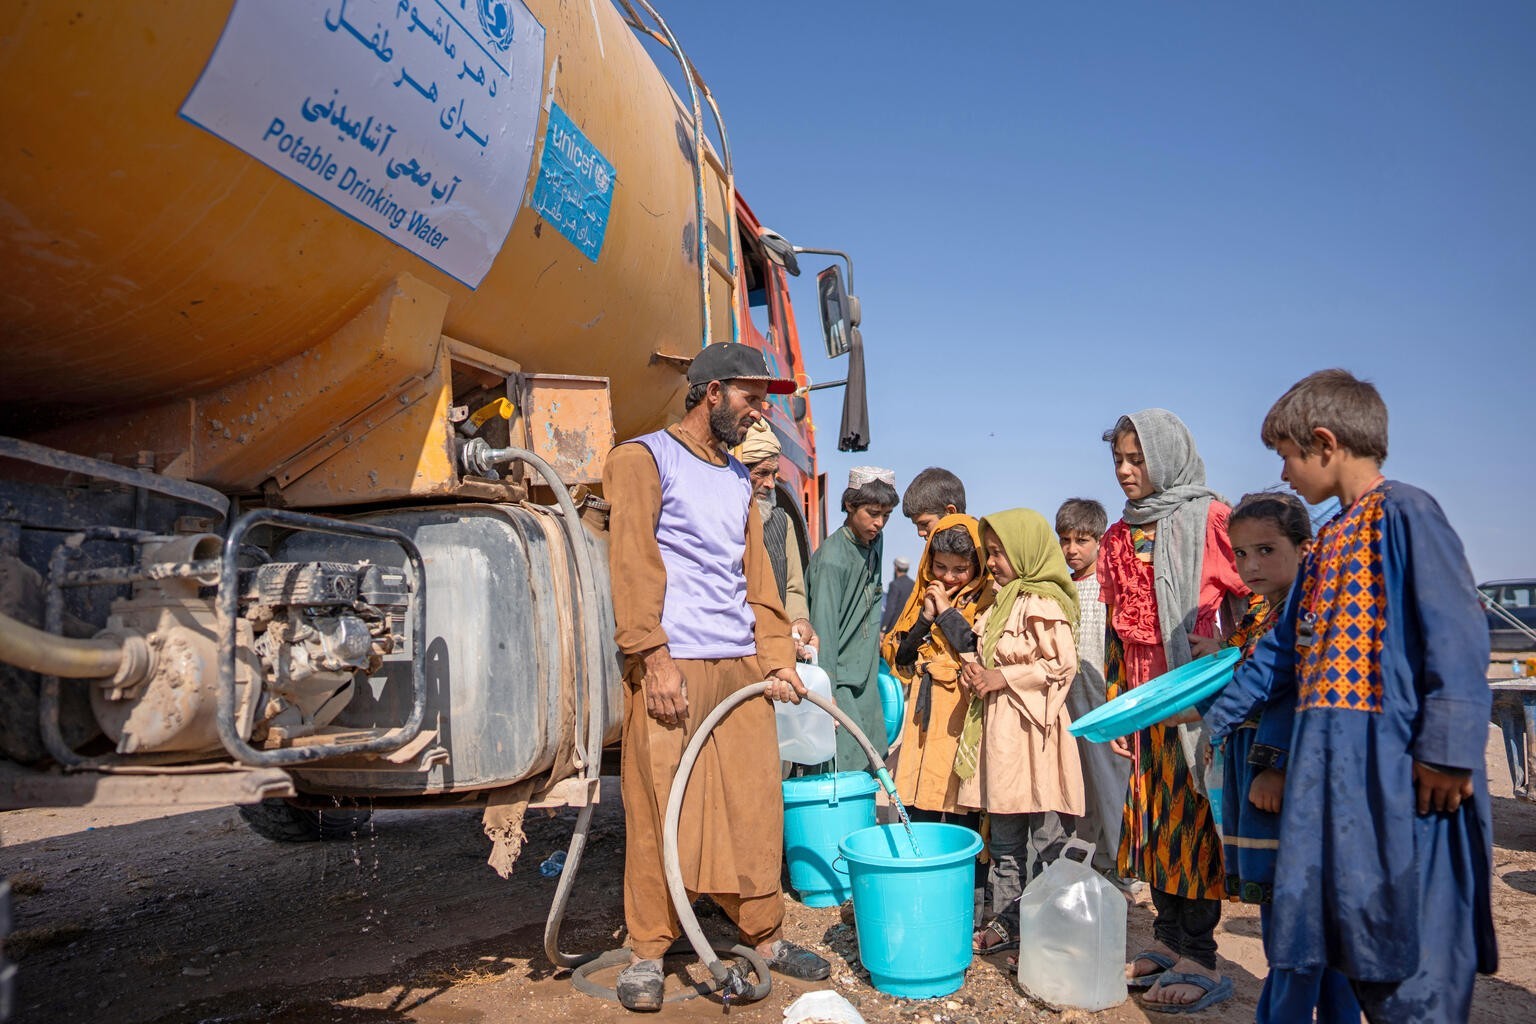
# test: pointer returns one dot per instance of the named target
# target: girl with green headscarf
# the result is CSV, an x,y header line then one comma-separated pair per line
x,y
1016,759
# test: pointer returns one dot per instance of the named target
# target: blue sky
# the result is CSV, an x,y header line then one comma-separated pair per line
x,y
1062,212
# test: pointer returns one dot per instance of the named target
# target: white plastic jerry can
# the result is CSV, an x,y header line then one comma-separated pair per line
x,y
1072,934
806,732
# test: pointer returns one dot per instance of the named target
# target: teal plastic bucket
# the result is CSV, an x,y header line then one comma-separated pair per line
x,y
819,810
893,702
913,913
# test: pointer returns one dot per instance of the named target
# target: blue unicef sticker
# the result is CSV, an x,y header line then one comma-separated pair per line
x,y
575,187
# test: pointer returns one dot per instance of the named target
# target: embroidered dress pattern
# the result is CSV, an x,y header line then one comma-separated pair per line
x,y
1142,540
1169,837
1344,608
1257,621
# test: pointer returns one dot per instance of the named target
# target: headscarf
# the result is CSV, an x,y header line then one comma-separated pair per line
x,y
978,590
759,444
1035,554
1180,505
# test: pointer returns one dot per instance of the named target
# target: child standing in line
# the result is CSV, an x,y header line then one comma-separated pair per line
x,y
1164,570
933,494
924,649
1382,650
1015,759
1270,533
843,581
1080,525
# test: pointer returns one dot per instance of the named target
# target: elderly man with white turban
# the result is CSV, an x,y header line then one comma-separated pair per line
x,y
760,454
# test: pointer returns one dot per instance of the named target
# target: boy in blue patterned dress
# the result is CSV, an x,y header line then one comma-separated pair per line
x,y
1386,841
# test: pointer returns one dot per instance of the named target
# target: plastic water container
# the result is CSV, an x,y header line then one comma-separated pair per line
x,y
819,812
1215,782
806,733
914,914
1072,935
893,702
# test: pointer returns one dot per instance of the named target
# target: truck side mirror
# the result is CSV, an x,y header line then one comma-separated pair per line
x,y
839,311
853,436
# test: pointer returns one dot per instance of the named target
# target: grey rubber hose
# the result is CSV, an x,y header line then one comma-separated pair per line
x,y
725,978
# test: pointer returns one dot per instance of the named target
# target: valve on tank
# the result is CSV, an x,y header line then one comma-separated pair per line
x,y
318,625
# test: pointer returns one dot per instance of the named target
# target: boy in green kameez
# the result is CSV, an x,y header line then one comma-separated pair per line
x,y
844,585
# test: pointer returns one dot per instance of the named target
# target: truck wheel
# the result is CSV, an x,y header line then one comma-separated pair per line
x,y
282,822
7,970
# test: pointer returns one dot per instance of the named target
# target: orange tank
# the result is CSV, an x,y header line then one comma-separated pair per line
x,y
156,272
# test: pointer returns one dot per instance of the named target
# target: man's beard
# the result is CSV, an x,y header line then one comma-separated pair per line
x,y
725,427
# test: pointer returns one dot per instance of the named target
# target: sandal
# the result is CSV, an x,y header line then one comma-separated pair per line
x,y
1217,990
1163,962
993,937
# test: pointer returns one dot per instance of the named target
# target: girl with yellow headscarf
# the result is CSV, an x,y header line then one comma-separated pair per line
x,y
923,648
1016,759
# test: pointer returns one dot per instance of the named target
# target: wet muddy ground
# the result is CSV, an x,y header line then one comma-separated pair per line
x,y
139,917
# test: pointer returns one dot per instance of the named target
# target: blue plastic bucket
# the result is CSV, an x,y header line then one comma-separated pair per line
x,y
819,810
913,913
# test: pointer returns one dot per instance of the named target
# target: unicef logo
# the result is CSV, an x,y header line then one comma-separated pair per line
x,y
600,177
496,20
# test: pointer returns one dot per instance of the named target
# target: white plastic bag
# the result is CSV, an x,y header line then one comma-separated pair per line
x,y
821,1007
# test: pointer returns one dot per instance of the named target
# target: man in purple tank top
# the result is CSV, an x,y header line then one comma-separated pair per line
x,y
699,617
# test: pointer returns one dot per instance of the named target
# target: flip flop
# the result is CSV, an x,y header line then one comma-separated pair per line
x,y
1145,981
1216,991
996,928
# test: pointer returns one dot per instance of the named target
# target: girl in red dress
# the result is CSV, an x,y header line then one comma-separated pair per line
x,y
1164,571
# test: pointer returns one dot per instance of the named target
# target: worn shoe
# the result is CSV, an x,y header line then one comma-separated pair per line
x,y
798,962
640,986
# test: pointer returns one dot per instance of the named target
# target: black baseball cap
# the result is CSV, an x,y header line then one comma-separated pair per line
x,y
727,360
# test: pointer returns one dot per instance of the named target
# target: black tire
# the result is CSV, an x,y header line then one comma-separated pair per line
x,y
282,822
7,970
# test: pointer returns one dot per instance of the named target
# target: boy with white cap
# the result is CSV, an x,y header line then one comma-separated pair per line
x,y
845,590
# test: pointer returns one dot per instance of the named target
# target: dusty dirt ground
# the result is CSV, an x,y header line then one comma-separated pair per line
x,y
174,918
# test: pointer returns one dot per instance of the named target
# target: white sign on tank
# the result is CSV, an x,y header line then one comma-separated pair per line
x,y
414,119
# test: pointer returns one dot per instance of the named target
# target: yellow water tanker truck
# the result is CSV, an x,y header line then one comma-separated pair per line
x,y
320,320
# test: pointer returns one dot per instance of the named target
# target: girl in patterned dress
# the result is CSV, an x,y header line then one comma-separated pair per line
x,y
1270,533
1164,570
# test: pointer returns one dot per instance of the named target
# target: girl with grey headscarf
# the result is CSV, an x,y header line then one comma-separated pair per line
x,y
1165,569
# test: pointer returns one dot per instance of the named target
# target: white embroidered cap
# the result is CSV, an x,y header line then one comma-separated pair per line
x,y
858,476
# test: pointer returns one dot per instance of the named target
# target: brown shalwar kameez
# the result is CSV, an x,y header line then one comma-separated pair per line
x,y
730,837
